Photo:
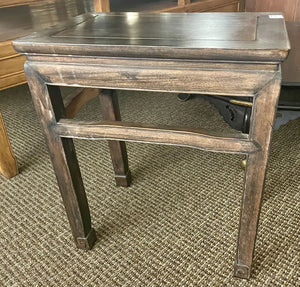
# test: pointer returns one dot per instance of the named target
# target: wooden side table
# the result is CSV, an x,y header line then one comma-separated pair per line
x,y
227,54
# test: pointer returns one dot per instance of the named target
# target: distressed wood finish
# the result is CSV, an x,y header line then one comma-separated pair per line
x,y
118,153
146,78
49,105
241,56
201,139
252,37
262,120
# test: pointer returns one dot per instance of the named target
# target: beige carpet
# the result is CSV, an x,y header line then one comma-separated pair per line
x,y
175,226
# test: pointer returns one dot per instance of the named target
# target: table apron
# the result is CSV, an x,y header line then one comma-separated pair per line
x,y
237,82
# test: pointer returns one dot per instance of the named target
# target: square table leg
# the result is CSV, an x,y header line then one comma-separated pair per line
x,y
262,120
50,108
111,112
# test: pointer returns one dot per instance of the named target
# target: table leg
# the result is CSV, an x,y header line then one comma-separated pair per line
x,y
262,120
8,161
110,111
49,106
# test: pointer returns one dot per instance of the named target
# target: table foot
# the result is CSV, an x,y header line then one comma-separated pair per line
x,y
87,243
242,271
123,180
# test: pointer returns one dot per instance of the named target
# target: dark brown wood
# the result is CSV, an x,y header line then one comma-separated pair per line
x,y
134,76
159,63
47,100
240,55
196,138
118,153
252,37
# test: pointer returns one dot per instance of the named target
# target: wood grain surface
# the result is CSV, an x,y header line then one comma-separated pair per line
x,y
194,36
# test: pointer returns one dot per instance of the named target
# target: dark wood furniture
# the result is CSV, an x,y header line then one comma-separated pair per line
x,y
21,17
216,53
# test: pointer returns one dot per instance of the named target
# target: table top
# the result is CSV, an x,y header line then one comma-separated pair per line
x,y
220,36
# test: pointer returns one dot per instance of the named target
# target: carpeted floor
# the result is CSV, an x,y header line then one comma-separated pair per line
x,y
175,226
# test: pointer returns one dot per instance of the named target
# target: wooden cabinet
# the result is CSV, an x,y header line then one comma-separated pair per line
x,y
290,8
11,66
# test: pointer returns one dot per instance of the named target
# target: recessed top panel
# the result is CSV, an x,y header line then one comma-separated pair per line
x,y
201,36
190,27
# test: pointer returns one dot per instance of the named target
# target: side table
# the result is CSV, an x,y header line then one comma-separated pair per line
x,y
229,54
